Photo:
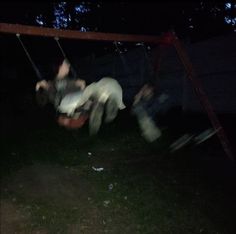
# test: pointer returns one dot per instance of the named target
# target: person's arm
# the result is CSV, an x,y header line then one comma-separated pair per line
x,y
86,95
80,83
138,96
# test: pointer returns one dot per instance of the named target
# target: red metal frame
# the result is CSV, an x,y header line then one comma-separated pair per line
x,y
168,39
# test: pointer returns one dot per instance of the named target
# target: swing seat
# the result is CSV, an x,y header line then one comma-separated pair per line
x,y
72,123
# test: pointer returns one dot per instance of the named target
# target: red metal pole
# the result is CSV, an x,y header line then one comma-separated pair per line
x,y
198,87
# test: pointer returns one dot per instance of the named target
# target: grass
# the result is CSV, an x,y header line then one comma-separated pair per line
x,y
47,177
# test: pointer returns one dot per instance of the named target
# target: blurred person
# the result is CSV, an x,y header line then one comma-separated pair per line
x,y
63,83
104,96
146,104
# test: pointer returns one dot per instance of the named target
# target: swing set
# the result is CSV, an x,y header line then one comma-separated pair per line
x,y
167,39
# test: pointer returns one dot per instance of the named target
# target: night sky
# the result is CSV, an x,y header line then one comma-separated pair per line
x,y
192,21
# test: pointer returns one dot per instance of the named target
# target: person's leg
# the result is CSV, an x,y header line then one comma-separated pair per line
x,y
147,125
149,129
111,110
95,119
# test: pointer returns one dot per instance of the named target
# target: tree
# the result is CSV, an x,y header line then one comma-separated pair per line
x,y
194,20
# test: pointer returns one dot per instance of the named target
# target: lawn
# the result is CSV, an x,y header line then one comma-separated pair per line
x,y
55,180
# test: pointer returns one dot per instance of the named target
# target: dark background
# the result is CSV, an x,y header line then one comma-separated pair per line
x,y
192,20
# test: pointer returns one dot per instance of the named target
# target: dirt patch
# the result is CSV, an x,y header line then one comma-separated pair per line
x,y
61,192
56,199
53,183
13,220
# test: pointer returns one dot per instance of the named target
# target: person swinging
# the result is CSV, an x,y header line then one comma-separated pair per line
x,y
62,84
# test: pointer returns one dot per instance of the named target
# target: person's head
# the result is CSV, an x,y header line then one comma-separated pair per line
x,y
63,69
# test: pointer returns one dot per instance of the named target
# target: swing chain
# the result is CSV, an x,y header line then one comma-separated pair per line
x,y
60,47
39,76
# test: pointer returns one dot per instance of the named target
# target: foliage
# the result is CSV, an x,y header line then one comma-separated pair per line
x,y
194,20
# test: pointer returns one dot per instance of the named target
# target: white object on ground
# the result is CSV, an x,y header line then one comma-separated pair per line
x,y
99,169
110,187
106,203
